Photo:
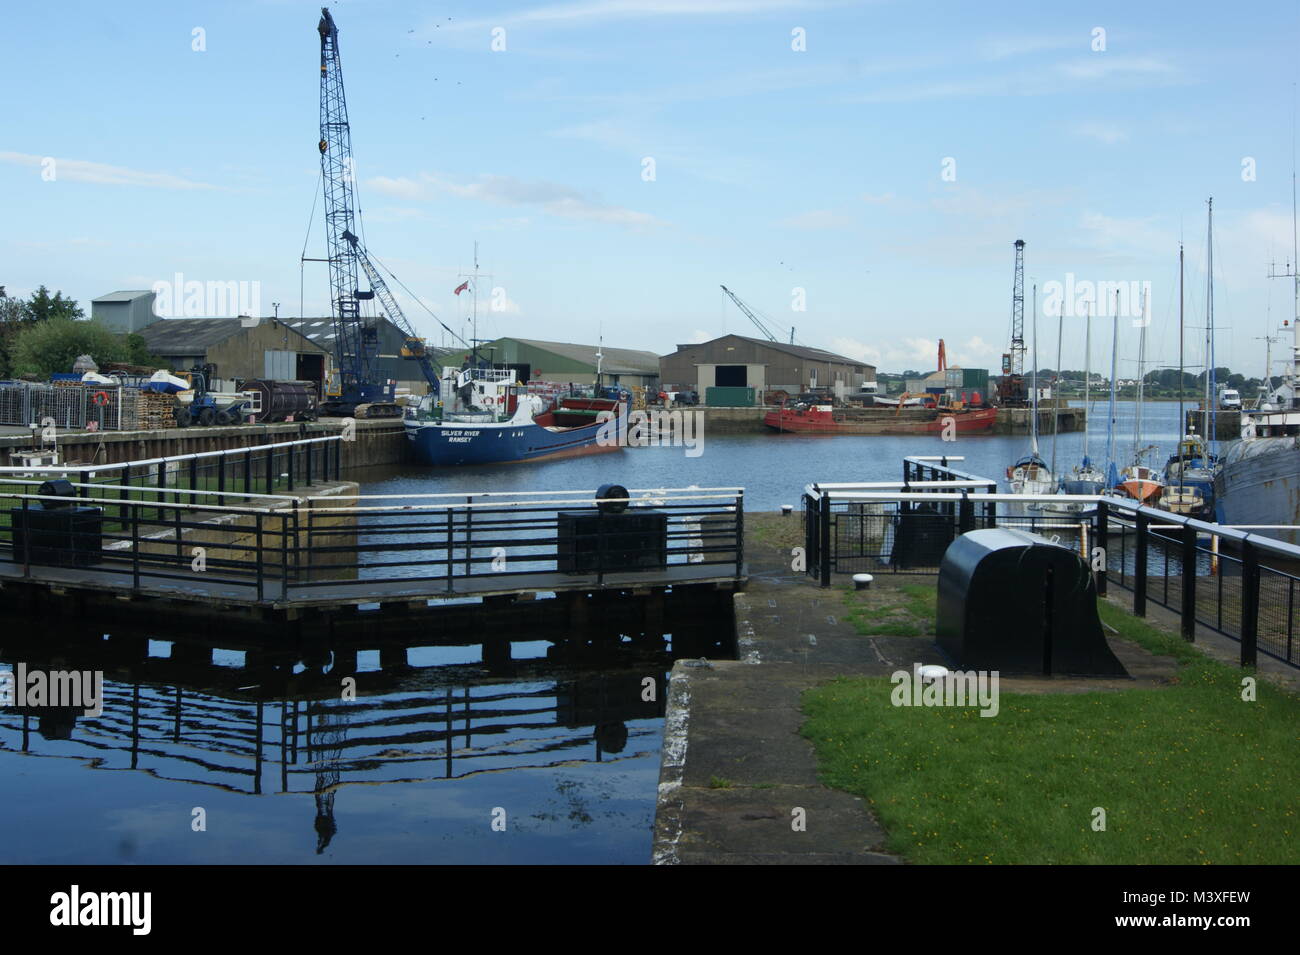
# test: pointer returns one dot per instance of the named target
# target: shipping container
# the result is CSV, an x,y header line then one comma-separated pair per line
x,y
729,397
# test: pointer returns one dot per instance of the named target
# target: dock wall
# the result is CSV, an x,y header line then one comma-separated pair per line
x,y
377,442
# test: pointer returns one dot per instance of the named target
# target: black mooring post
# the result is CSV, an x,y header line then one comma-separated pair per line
x,y
1100,538
1249,602
1140,566
824,535
965,513
1189,583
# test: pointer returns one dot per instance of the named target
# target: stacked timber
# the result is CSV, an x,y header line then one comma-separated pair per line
x,y
147,410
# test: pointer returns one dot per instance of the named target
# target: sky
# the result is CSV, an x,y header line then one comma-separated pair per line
x,y
858,171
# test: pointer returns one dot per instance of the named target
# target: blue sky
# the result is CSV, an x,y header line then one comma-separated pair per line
x,y
774,169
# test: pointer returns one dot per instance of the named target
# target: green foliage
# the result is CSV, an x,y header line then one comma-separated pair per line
x,y
42,307
1186,773
44,348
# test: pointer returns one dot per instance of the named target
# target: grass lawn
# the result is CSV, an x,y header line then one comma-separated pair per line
x,y
1189,773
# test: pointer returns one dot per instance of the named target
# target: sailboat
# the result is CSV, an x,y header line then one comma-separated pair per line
x,y
1030,474
1258,481
1083,479
1140,481
1189,473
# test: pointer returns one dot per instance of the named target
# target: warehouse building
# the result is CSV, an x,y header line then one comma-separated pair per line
x,y
127,311
240,348
734,361
564,362
391,363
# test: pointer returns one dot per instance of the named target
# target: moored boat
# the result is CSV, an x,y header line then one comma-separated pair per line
x,y
488,417
828,419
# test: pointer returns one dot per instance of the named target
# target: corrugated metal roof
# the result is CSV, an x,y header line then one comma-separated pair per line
x,y
613,359
801,351
192,336
125,296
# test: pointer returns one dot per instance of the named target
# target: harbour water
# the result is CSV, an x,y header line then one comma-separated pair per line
x,y
562,751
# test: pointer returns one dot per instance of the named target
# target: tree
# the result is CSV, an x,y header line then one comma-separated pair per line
x,y
50,346
43,307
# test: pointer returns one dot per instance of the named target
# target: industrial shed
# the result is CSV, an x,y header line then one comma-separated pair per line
x,y
734,361
126,311
564,362
239,348
391,364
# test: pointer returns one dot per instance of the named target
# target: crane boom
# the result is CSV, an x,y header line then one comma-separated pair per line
x,y
1011,389
752,317
356,336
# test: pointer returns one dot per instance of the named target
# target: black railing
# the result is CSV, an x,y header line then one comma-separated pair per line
x,y
1241,585
259,469
281,548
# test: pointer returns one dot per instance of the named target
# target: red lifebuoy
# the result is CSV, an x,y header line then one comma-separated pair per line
x,y
101,398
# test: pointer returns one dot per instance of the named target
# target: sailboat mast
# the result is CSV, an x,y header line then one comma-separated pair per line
x,y
1056,387
1114,359
1209,322
1142,354
1033,425
1182,417
1087,379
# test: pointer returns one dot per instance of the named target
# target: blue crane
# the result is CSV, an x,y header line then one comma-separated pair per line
x,y
362,393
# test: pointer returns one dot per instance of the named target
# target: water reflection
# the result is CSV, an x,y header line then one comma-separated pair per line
x,y
250,721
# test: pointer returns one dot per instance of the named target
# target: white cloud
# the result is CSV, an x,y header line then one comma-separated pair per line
x,y
818,219
1107,133
595,11
553,198
699,337
82,170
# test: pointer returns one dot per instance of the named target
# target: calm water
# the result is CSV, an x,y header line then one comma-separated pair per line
x,y
773,469
436,743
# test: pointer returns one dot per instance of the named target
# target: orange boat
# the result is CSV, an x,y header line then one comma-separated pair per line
x,y
1141,483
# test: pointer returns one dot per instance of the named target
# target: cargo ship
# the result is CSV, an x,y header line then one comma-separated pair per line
x,y
900,418
485,416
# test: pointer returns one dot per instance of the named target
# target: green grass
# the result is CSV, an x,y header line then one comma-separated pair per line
x,y
1188,773
717,782
904,611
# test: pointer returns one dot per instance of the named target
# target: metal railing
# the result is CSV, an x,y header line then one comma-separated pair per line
x,y
257,469
279,548
1237,583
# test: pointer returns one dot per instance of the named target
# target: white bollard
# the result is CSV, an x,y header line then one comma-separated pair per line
x,y
786,509
862,581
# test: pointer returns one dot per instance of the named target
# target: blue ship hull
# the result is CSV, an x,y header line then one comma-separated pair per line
x,y
452,443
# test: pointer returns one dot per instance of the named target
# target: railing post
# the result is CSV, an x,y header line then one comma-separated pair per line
x,y
1099,536
469,541
135,547
338,458
291,456
194,475
740,533
308,449
451,548
270,469
824,537
1189,583
1140,565
248,472
83,478
27,539
965,513
258,555
1249,602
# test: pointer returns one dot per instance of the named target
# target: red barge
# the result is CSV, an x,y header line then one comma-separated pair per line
x,y
827,419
